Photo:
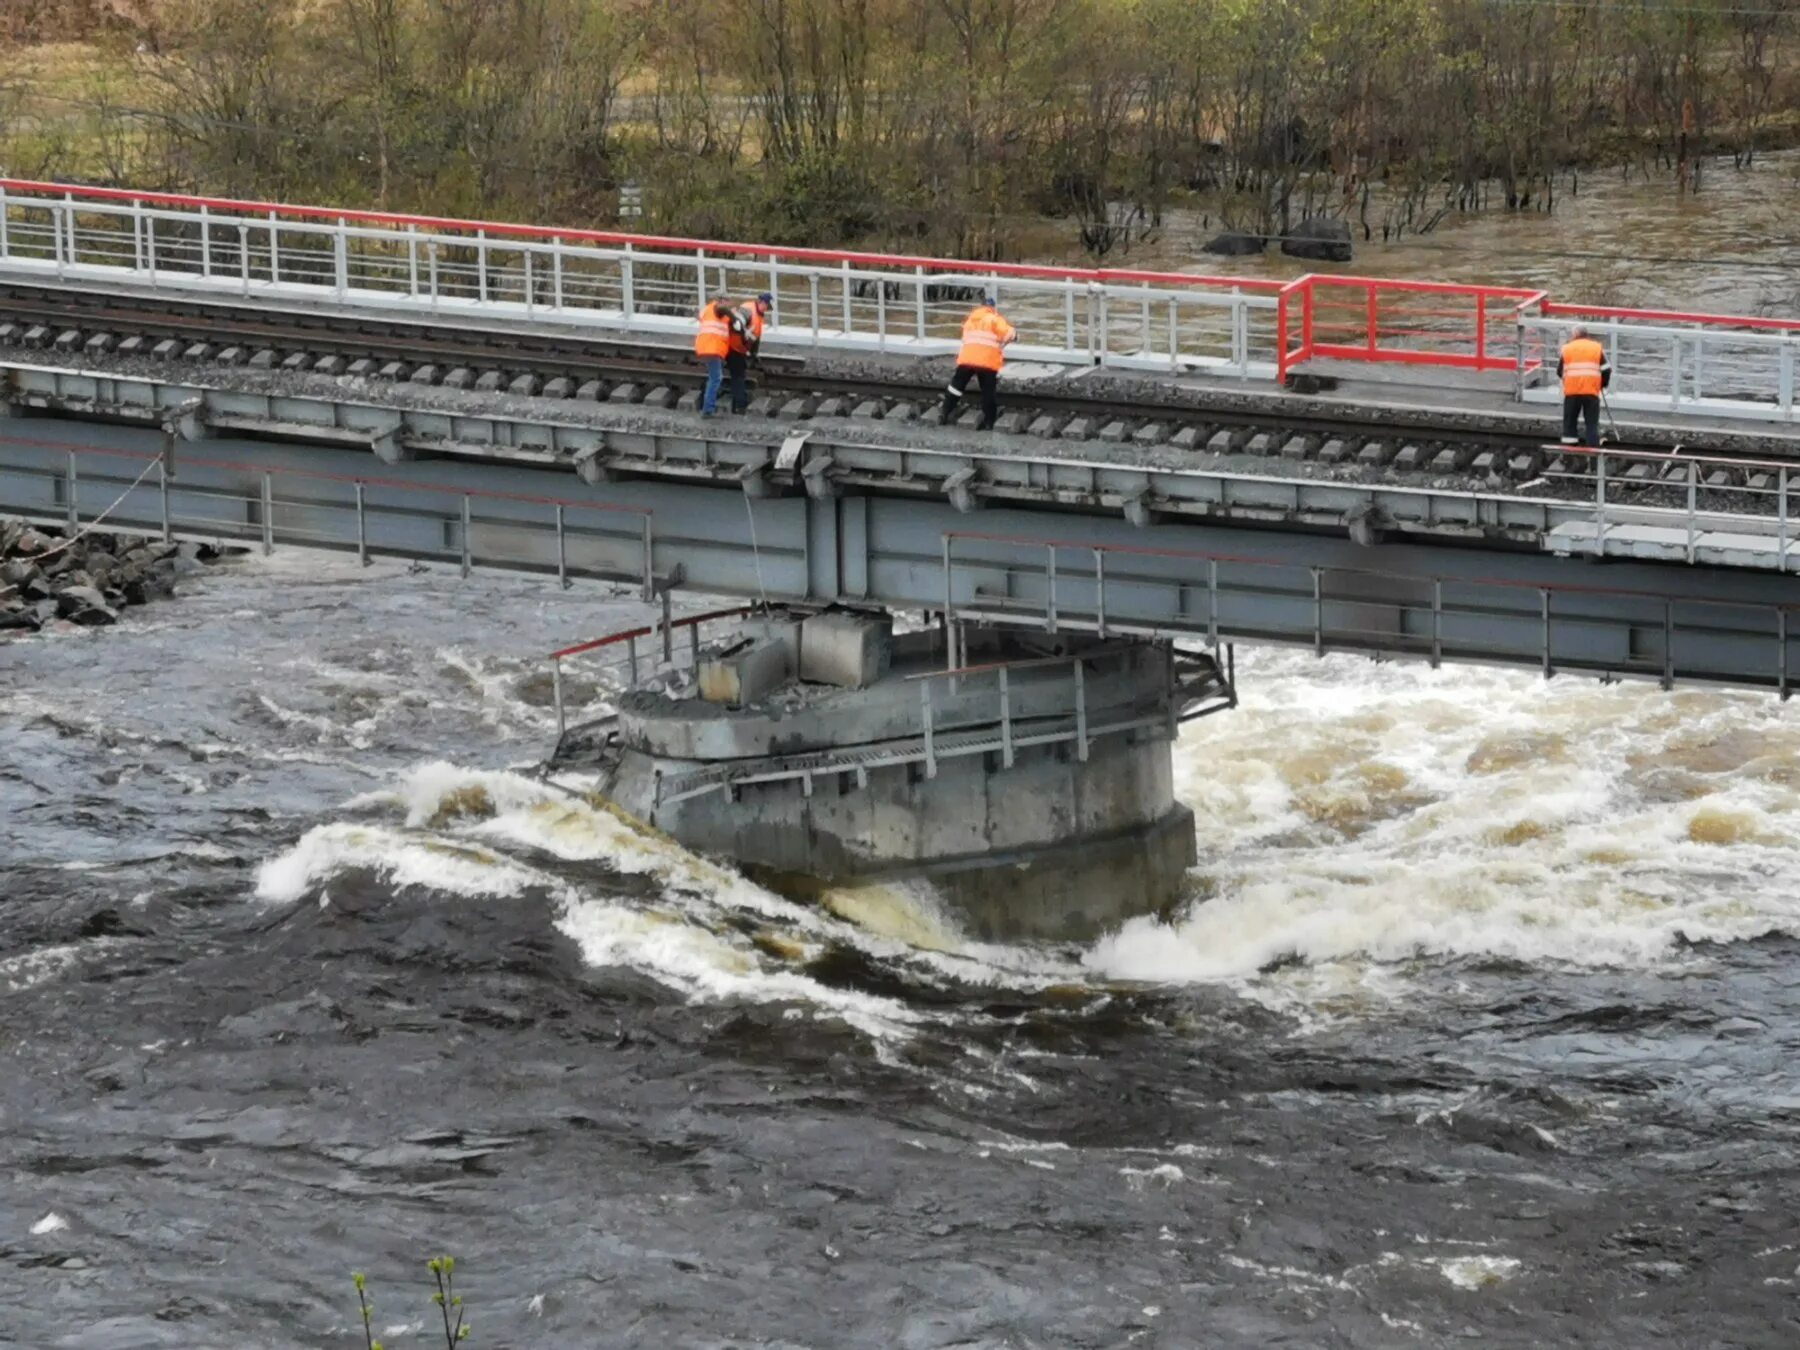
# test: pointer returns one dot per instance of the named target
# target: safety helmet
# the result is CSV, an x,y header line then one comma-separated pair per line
x,y
766,300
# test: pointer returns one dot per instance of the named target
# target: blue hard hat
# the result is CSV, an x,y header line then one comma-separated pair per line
x,y
766,298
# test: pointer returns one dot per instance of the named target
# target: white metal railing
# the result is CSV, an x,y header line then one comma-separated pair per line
x,y
1689,496
619,660
1689,367
866,302
991,726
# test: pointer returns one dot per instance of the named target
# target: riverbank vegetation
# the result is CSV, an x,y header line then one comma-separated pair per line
x,y
956,125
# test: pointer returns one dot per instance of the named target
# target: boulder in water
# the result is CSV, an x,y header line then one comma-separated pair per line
x,y
1234,244
1319,238
86,606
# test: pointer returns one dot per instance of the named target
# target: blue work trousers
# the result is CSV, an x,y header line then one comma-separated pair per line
x,y
715,376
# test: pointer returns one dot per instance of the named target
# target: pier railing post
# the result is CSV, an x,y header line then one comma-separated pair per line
x,y
1781,508
1006,729
1081,730
362,528
1693,493
1544,608
562,551
1318,614
1781,663
1668,675
1100,591
1212,603
1600,503
557,694
69,492
1437,622
268,514
1050,588
925,711
467,558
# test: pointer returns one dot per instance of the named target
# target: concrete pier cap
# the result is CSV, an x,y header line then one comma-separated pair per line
x,y
1026,779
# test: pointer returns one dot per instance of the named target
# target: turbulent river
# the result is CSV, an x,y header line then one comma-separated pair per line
x,y
1482,1027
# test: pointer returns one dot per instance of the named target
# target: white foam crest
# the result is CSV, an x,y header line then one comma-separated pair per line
x,y
404,859
1352,813
355,735
1477,1272
902,922
50,1223
29,969
492,683
669,943
706,965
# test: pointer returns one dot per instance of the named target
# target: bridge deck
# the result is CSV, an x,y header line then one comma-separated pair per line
x,y
1401,397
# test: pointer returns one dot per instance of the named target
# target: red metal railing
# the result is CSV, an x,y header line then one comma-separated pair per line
x,y
650,630
1421,323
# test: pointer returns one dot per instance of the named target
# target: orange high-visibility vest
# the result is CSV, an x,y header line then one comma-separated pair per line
x,y
750,318
1583,360
984,334
715,332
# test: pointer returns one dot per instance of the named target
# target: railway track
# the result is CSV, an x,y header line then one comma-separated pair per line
x,y
90,324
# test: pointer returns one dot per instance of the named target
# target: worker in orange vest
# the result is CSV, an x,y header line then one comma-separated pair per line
x,y
1585,371
712,345
984,338
746,338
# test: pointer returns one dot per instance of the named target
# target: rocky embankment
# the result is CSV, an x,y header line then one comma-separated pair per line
x,y
45,578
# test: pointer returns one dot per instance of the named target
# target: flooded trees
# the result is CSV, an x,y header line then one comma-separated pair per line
x,y
984,127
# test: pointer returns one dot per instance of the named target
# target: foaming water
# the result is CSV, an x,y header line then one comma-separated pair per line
x,y
249,960
1355,812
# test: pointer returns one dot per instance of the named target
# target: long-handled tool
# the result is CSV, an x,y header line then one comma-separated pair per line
x,y
1611,421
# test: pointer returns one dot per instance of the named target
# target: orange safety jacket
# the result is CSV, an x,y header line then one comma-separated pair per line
x,y
715,331
746,333
1584,368
984,334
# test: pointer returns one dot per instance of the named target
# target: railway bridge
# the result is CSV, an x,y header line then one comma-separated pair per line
x,y
1187,463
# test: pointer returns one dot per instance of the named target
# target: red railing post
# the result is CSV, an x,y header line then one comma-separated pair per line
x,y
1481,330
1373,317
1281,336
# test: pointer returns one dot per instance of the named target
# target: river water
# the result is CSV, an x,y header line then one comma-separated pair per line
x,y
1615,238
1482,1027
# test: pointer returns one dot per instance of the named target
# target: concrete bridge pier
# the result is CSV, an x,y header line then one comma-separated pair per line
x,y
1030,786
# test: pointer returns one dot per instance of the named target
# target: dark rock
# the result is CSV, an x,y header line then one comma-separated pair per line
x,y
1320,238
1234,244
19,618
86,606
17,571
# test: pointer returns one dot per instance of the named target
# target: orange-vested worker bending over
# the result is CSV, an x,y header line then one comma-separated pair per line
x,y
712,344
984,338
747,322
1585,372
